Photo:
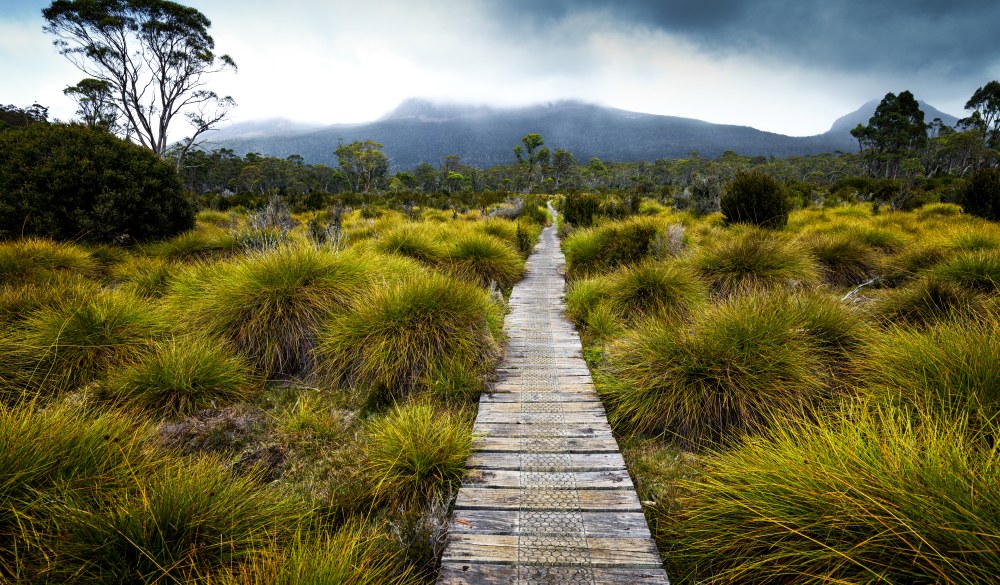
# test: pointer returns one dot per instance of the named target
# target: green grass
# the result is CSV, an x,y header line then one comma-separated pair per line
x,y
978,271
183,375
752,259
928,300
844,260
34,260
482,259
173,525
62,450
863,496
594,251
18,301
78,341
417,241
414,452
271,306
353,555
397,339
945,371
147,276
199,243
706,381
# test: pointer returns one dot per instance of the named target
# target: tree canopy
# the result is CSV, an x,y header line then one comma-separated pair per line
x,y
363,163
152,57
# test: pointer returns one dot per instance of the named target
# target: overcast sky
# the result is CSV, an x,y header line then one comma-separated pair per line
x,y
789,66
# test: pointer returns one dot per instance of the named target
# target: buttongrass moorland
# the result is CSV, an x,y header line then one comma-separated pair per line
x,y
266,398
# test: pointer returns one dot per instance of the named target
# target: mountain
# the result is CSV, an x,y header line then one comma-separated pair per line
x,y
422,131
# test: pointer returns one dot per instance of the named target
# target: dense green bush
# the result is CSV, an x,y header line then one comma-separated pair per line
x,y
981,195
74,182
756,198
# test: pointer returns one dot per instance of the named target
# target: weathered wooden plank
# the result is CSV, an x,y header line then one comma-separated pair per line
x,y
507,408
580,395
508,522
510,478
455,573
506,429
603,552
542,462
558,444
617,500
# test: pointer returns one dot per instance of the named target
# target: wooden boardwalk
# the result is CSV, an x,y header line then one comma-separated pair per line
x,y
548,499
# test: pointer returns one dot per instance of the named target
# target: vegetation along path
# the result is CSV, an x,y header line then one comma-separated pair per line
x,y
548,499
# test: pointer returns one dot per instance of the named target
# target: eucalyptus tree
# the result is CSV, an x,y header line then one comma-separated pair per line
x,y
363,163
153,56
530,155
985,106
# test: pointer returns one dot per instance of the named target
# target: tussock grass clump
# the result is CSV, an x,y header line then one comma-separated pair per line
x,y
76,342
716,377
184,375
909,263
863,497
935,210
352,555
200,243
146,276
415,452
635,292
927,300
414,241
583,296
271,306
975,241
754,259
843,259
979,271
400,337
949,369
180,522
39,261
17,302
482,259
61,449
593,251
886,239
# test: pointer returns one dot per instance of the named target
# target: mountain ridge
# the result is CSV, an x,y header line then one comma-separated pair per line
x,y
421,130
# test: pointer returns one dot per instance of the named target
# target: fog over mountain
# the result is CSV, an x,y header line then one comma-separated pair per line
x,y
423,131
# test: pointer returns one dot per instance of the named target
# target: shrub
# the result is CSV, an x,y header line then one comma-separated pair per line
x,y
754,197
579,209
981,194
74,343
271,306
845,261
414,452
865,497
721,375
753,259
481,259
68,182
39,261
174,525
184,375
397,338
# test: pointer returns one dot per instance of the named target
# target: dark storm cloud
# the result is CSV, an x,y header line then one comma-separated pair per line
x,y
955,38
